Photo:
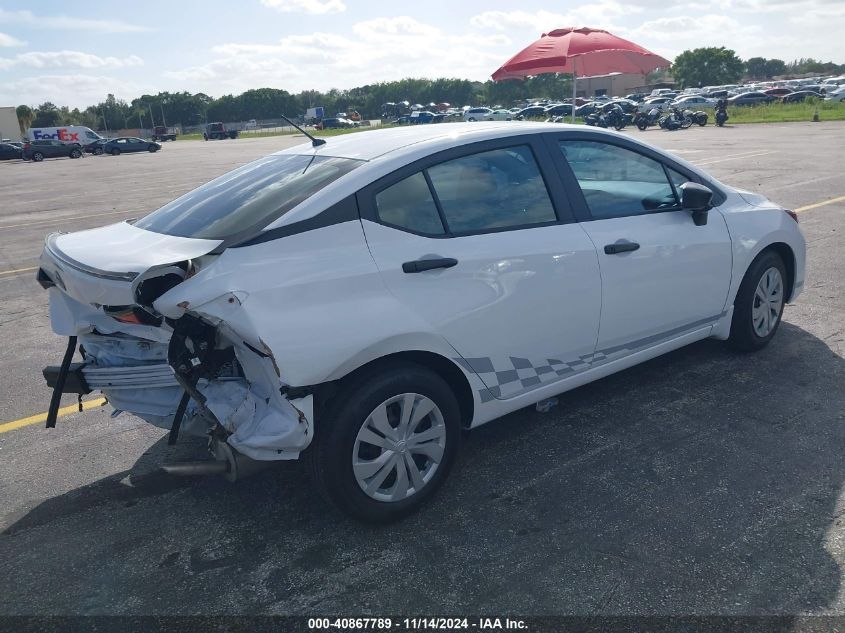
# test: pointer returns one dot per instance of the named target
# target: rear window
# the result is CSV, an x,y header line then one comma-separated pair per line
x,y
249,197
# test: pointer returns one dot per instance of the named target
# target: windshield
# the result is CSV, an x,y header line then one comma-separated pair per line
x,y
249,197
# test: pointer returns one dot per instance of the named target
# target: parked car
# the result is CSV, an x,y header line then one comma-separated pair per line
x,y
750,98
476,114
96,147
694,101
558,109
836,95
777,92
499,115
334,123
10,152
425,116
48,148
801,95
369,300
126,144
661,103
530,111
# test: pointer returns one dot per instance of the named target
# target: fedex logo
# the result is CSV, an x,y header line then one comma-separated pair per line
x,y
59,135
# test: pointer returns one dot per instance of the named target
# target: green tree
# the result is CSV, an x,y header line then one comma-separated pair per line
x,y
26,116
755,67
47,115
775,67
707,67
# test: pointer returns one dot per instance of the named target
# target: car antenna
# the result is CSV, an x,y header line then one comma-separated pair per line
x,y
316,142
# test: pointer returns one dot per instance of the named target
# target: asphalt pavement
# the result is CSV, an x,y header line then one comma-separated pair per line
x,y
703,482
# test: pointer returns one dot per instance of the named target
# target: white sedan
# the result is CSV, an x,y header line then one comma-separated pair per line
x,y
368,297
499,115
694,101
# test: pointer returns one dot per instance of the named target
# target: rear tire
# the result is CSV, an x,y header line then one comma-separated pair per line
x,y
754,321
115,152
360,455
98,151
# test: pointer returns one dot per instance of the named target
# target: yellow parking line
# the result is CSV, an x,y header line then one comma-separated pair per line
x,y
5,427
820,204
18,270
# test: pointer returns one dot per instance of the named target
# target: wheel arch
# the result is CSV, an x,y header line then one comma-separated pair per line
x,y
787,255
444,367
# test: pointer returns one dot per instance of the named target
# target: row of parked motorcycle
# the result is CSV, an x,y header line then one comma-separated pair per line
x,y
611,115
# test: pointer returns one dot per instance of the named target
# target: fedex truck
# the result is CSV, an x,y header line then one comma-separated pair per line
x,y
66,133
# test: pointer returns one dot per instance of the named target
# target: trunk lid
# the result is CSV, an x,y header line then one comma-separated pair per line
x,y
104,266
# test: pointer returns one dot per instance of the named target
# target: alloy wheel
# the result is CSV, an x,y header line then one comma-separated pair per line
x,y
399,447
768,302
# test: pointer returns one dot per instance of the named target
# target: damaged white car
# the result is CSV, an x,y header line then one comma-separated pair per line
x,y
367,297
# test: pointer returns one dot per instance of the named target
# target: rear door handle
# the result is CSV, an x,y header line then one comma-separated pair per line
x,y
421,265
620,247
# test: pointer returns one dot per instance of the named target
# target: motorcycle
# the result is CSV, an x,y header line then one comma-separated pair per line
x,y
698,117
675,120
644,120
721,113
609,115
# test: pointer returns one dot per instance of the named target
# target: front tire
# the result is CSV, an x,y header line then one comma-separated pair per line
x,y
152,149
759,303
387,442
75,153
38,157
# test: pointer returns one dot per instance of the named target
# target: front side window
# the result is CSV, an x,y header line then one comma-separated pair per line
x,y
496,189
249,197
617,182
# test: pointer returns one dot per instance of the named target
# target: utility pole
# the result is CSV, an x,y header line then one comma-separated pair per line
x,y
163,120
152,120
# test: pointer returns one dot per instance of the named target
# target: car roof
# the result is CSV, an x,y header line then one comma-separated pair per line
x,y
378,143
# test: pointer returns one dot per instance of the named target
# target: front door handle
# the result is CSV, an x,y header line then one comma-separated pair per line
x,y
420,265
620,247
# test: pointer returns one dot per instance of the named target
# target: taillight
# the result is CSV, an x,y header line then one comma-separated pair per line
x,y
132,314
791,214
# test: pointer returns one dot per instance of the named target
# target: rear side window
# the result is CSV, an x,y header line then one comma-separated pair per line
x,y
247,198
492,190
409,205
617,182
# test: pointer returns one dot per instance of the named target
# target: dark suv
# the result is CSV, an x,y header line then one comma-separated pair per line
x,y
41,149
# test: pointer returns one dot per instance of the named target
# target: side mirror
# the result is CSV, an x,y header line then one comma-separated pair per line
x,y
698,199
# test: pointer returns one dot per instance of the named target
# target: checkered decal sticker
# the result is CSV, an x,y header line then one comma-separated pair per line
x,y
515,375
509,377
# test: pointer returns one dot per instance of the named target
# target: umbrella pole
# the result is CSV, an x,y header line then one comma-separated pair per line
x,y
574,79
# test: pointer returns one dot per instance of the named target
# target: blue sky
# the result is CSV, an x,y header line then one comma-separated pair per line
x,y
75,53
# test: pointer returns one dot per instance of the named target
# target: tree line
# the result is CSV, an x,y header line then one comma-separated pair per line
x,y
697,67
186,109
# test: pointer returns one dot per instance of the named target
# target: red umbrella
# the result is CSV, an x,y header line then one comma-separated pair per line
x,y
583,52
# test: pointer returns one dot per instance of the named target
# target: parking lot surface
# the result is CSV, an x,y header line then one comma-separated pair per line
x,y
703,482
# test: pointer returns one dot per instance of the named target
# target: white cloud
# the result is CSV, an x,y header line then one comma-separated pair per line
x,y
7,41
596,15
314,7
381,49
64,22
71,90
67,59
